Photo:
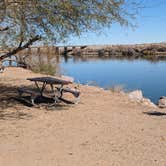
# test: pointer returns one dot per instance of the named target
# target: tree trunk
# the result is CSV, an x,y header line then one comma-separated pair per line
x,y
19,48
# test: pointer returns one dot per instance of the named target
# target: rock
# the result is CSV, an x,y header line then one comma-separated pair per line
x,y
162,102
136,95
148,102
67,78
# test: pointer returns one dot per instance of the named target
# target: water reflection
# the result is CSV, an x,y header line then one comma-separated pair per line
x,y
149,76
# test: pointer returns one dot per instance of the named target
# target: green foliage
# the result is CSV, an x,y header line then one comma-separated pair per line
x,y
55,20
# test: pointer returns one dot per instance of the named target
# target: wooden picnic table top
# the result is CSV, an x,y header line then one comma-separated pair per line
x,y
50,80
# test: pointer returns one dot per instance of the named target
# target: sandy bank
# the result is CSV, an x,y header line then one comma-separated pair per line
x,y
104,129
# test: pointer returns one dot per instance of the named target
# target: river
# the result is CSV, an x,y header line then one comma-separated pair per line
x,y
148,76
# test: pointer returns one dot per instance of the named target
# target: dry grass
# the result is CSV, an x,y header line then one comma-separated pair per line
x,y
118,88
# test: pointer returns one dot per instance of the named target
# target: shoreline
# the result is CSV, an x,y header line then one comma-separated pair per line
x,y
104,128
134,95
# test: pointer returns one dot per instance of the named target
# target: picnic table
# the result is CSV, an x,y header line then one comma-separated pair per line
x,y
56,92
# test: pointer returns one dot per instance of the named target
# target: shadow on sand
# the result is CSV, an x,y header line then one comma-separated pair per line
x,y
155,113
8,96
14,115
9,99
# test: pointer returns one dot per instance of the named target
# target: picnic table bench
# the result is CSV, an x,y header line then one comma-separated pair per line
x,y
56,93
33,94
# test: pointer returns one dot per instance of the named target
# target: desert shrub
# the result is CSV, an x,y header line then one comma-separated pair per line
x,y
118,88
44,68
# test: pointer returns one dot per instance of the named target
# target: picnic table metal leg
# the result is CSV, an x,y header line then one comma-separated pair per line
x,y
57,94
42,88
61,91
37,85
31,95
33,100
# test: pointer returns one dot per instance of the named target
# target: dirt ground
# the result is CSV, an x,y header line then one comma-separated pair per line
x,y
104,129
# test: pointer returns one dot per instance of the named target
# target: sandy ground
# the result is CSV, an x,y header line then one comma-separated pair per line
x,y
104,129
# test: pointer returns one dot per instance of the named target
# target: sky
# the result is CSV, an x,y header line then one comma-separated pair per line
x,y
151,28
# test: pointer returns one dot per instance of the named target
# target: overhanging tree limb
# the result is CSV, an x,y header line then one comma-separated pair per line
x,y
3,29
56,20
19,48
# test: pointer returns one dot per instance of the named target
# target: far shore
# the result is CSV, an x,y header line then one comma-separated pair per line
x,y
150,51
105,128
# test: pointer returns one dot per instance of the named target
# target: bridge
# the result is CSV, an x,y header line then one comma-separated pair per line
x,y
64,50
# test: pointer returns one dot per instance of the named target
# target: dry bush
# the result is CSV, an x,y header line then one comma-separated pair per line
x,y
118,88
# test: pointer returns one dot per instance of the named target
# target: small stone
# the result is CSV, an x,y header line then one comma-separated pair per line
x,y
162,102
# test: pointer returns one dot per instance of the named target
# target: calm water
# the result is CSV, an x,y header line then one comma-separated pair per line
x,y
148,76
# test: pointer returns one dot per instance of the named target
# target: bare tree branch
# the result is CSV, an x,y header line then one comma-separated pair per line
x,y
3,29
19,48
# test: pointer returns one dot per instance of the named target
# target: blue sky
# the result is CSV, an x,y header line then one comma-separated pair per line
x,y
151,28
